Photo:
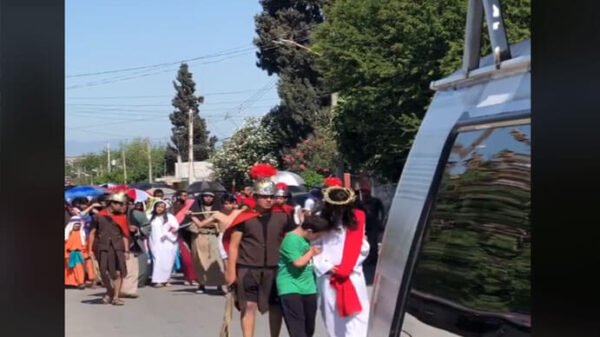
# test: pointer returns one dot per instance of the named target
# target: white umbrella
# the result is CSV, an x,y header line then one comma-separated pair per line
x,y
289,178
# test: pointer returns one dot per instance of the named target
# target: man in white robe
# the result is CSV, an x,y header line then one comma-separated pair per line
x,y
356,325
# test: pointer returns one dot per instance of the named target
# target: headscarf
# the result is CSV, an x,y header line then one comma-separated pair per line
x,y
69,228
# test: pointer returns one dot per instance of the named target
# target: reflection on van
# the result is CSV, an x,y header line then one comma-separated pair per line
x,y
456,255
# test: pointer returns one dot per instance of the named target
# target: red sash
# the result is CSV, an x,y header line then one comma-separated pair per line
x,y
347,300
244,216
119,219
180,216
283,209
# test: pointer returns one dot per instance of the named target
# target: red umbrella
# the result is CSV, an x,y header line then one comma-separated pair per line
x,y
118,188
137,195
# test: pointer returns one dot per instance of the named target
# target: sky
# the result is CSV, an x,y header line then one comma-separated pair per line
x,y
122,57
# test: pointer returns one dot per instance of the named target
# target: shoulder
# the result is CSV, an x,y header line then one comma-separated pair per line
x,y
291,239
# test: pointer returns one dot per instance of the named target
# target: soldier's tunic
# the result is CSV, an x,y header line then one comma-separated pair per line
x,y
258,256
109,248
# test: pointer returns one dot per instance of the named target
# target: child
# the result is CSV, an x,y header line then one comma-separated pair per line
x,y
295,280
76,253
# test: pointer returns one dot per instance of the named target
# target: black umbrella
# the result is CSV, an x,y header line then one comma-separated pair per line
x,y
206,186
146,186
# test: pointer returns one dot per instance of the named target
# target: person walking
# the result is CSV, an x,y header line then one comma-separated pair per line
x,y
163,243
109,238
342,287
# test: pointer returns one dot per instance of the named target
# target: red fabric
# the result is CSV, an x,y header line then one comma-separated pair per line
x,y
187,263
283,209
281,186
262,170
332,181
120,219
347,299
180,216
244,216
248,201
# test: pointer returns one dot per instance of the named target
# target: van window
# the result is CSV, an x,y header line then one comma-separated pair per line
x,y
472,276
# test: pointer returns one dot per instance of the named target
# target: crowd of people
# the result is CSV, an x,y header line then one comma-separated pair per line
x,y
269,254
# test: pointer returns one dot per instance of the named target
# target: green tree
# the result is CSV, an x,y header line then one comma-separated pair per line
x,y
280,28
381,56
248,145
184,100
93,166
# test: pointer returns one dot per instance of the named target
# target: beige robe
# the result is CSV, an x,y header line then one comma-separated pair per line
x,y
208,264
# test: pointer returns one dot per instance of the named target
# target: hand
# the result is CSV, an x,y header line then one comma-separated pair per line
x,y
127,255
163,238
173,230
315,250
334,270
96,205
133,229
188,213
230,278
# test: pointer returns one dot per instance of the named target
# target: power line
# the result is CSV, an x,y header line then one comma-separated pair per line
x,y
162,96
166,104
144,72
217,54
136,75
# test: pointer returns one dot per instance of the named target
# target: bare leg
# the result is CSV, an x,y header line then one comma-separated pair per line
x,y
110,290
248,318
275,318
118,285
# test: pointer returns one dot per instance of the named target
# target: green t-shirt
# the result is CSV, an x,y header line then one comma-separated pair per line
x,y
291,279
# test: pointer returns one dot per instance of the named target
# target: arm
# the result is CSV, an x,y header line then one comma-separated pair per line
x,y
202,223
126,243
92,239
321,263
234,244
305,259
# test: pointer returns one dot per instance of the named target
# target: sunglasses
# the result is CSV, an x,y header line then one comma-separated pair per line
x,y
265,196
117,203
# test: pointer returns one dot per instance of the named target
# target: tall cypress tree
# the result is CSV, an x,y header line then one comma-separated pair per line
x,y
184,100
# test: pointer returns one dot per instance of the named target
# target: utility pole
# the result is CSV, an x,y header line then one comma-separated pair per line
x,y
108,157
124,166
149,161
190,147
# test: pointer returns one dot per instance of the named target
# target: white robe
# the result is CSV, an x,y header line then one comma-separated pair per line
x,y
163,252
332,245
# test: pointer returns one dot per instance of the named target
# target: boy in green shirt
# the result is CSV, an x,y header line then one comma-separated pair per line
x,y
296,284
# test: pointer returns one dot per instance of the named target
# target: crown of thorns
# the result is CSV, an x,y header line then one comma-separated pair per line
x,y
332,189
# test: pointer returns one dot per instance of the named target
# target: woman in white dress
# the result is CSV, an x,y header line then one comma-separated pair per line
x,y
344,300
163,243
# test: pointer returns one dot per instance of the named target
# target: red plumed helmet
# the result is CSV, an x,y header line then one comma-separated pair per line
x,y
262,171
282,186
333,181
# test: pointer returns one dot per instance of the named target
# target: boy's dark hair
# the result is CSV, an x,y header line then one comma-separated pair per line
x,y
316,224
80,201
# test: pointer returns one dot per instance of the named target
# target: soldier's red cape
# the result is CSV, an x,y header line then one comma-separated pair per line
x,y
244,216
248,201
181,214
283,209
347,300
119,219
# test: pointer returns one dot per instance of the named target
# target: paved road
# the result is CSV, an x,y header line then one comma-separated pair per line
x,y
175,311
168,312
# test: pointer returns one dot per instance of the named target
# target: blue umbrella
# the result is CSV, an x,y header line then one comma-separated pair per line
x,y
83,191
